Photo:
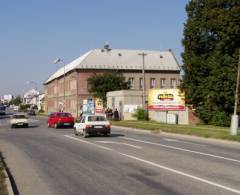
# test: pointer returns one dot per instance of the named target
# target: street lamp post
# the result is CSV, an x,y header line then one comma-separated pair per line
x,y
234,120
55,62
143,74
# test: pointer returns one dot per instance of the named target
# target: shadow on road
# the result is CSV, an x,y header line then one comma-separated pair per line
x,y
116,135
29,127
33,126
4,116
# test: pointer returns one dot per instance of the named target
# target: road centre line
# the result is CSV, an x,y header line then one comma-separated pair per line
x,y
87,142
161,166
180,141
120,143
182,173
181,149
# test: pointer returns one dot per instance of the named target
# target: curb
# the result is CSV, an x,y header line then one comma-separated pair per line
x,y
8,182
159,132
134,129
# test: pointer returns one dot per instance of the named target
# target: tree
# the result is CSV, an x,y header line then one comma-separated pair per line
x,y
211,42
16,101
100,84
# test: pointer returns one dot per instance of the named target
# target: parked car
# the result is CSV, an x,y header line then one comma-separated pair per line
x,y
60,119
2,110
18,120
92,125
31,112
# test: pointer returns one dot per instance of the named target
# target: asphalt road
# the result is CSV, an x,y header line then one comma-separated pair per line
x,y
54,161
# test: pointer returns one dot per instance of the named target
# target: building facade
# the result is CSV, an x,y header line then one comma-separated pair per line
x,y
6,98
67,88
31,97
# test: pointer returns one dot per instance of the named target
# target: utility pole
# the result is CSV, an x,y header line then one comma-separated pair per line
x,y
143,75
234,120
55,62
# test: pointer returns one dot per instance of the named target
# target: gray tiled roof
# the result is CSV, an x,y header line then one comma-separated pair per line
x,y
120,59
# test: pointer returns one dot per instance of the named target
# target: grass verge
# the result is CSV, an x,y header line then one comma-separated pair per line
x,y
206,131
3,188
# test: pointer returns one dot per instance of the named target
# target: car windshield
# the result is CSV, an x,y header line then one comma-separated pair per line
x,y
19,116
96,118
64,114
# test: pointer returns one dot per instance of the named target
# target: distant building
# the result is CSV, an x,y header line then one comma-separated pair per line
x,y
6,98
31,97
161,71
41,102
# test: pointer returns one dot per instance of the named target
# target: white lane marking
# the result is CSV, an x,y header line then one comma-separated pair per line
x,y
182,149
162,167
180,141
182,173
84,141
121,143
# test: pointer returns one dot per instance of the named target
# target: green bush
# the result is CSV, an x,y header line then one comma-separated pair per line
x,y
141,114
24,107
221,119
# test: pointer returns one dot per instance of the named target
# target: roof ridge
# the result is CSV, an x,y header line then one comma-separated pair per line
x,y
88,53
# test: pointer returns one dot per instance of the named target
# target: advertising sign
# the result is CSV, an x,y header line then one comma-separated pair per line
x,y
166,99
88,106
99,105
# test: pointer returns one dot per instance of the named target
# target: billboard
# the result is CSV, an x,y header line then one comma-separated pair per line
x,y
166,99
88,106
98,105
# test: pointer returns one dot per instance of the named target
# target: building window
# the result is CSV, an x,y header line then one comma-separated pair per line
x,y
87,86
113,102
173,83
55,89
152,83
73,84
72,104
140,83
162,83
131,80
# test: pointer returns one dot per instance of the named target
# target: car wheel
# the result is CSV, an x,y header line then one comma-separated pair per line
x,y
85,134
55,125
26,125
75,132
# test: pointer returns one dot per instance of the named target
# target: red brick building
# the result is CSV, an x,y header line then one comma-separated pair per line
x,y
161,71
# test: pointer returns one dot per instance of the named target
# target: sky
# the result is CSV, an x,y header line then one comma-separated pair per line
x,y
34,33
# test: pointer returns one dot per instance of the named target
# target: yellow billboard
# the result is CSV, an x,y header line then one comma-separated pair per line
x,y
166,99
98,105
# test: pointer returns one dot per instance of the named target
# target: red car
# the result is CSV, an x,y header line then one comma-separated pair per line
x,y
60,119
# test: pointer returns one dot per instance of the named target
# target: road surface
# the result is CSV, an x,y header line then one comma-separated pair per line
x,y
54,161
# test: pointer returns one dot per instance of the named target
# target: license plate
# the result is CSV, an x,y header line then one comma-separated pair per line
x,y
67,123
20,123
98,127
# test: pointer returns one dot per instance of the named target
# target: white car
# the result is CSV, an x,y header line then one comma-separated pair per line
x,y
19,120
92,125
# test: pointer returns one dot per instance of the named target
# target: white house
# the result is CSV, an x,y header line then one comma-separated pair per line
x,y
6,98
31,97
